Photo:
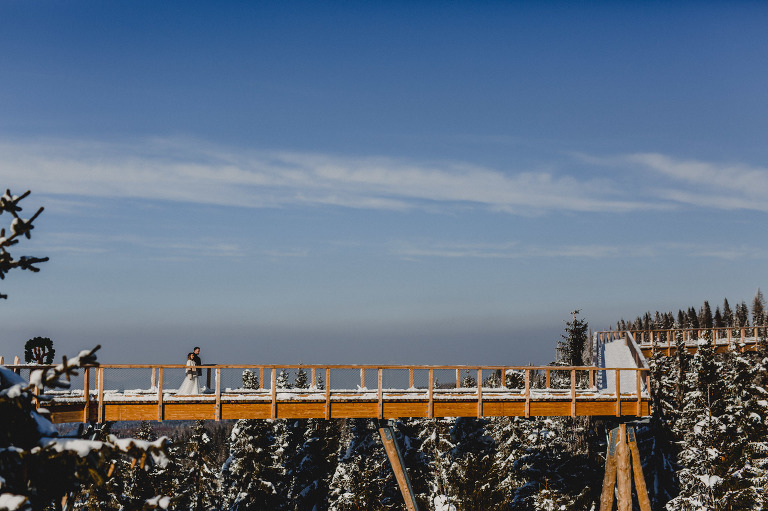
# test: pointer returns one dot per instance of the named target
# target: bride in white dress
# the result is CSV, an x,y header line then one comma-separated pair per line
x,y
190,385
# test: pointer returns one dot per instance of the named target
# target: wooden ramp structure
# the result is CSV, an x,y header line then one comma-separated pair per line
x,y
664,341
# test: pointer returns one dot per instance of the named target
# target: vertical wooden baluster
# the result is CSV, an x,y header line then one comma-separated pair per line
x,y
479,393
458,378
618,393
410,378
261,377
327,392
548,376
639,412
217,414
381,393
362,378
527,393
314,379
87,393
100,383
273,390
160,394
573,392
431,397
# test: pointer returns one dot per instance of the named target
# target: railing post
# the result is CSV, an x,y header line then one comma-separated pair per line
x,y
217,415
458,378
618,392
153,379
573,392
431,404
362,379
160,394
548,377
527,393
479,393
410,378
273,390
327,392
314,379
87,393
381,393
100,384
639,393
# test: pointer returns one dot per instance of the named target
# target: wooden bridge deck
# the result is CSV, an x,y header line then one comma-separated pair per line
x,y
663,341
340,392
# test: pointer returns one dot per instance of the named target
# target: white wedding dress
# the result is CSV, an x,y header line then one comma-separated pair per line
x,y
190,385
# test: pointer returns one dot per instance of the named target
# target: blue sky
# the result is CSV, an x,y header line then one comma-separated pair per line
x,y
393,182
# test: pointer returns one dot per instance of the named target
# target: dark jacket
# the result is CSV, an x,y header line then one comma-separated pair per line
x,y
198,362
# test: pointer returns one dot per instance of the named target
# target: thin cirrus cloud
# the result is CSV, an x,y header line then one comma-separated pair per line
x,y
697,183
196,173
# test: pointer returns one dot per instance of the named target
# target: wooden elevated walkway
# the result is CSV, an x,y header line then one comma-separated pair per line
x,y
148,392
663,341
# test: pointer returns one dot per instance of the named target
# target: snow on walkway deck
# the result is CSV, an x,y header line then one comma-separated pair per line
x,y
616,354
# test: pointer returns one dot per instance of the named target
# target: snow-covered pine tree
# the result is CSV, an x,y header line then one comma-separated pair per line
x,y
200,487
19,228
471,478
38,467
249,476
363,477
758,309
571,348
317,455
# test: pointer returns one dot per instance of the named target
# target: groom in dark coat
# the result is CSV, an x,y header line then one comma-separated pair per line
x,y
196,359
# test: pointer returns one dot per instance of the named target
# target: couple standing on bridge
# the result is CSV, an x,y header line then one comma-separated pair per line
x,y
191,383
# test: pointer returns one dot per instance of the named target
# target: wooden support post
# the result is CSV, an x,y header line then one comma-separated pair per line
x,y
160,394
479,393
410,378
638,375
100,383
362,377
527,393
609,479
2,361
623,473
261,377
381,393
637,469
153,379
398,465
87,393
618,393
217,415
273,390
431,396
548,373
573,392
327,392
458,378
314,379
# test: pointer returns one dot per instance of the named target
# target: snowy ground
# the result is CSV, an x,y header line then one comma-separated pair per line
x,y
616,354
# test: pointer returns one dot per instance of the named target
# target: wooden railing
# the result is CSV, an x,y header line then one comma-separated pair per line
x,y
428,389
719,336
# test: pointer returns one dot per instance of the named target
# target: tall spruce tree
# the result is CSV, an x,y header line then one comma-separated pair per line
x,y
571,349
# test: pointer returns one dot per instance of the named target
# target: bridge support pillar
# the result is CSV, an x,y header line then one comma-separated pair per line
x,y
622,445
395,456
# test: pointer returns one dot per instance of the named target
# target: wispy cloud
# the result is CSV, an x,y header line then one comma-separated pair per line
x,y
697,183
196,173
517,250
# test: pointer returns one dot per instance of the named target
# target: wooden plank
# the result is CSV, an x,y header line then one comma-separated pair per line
x,y
301,410
246,410
188,411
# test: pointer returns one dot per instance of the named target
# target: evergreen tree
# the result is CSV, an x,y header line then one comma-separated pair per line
x,y
727,314
574,341
758,309
200,489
